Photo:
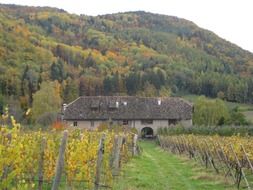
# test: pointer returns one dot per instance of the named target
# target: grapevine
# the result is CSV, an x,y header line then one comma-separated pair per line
x,y
20,157
232,155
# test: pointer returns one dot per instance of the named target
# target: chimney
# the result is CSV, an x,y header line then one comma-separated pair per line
x,y
64,106
159,101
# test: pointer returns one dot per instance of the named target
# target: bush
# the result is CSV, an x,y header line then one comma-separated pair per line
x,y
116,128
47,119
58,125
204,130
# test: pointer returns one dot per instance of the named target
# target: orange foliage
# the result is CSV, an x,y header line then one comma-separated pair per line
x,y
115,56
18,29
58,125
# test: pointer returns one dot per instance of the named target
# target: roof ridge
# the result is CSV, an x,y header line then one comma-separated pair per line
x,y
73,101
155,97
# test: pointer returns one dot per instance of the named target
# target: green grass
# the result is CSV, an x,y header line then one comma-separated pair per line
x,y
156,169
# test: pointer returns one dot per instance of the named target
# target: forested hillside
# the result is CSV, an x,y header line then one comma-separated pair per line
x,y
127,53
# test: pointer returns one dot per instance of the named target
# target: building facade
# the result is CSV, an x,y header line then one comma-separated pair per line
x,y
147,115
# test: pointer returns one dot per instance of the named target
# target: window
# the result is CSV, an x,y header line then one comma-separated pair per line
x,y
172,121
125,122
92,123
146,121
75,123
94,109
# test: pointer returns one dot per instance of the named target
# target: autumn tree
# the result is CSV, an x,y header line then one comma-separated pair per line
x,y
165,91
29,83
70,91
46,100
149,90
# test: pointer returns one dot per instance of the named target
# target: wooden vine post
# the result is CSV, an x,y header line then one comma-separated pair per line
x,y
219,158
116,159
210,157
177,144
225,159
99,162
60,161
113,150
197,153
247,158
135,145
41,163
240,170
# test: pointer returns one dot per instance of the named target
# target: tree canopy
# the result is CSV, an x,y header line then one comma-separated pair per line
x,y
46,100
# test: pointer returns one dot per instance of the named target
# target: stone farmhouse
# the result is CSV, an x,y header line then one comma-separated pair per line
x,y
144,114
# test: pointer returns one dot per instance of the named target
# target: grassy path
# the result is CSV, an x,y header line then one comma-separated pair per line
x,y
156,169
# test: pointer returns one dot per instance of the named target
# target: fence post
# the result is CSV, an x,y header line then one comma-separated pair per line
x,y
99,162
113,150
159,141
60,161
41,163
135,145
116,159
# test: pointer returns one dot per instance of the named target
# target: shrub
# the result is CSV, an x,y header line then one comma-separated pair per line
x,y
210,130
47,119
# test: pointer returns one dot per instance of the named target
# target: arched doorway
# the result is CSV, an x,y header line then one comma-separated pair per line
x,y
147,132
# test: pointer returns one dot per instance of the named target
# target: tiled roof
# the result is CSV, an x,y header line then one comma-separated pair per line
x,y
127,107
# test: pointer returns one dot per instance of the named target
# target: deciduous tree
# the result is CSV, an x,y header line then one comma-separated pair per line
x,y
46,100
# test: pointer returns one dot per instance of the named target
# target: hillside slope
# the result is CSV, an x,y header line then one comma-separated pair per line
x,y
125,53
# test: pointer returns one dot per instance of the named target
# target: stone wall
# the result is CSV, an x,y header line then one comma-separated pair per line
x,y
134,124
84,124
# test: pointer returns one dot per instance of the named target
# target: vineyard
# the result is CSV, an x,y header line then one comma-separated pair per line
x,y
70,160
228,156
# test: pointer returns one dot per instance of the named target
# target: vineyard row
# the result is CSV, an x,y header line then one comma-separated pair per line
x,y
228,156
72,160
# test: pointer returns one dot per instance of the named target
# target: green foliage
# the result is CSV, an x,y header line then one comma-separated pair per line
x,y
237,117
210,112
165,91
46,100
70,91
57,71
47,119
207,130
2,104
148,90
